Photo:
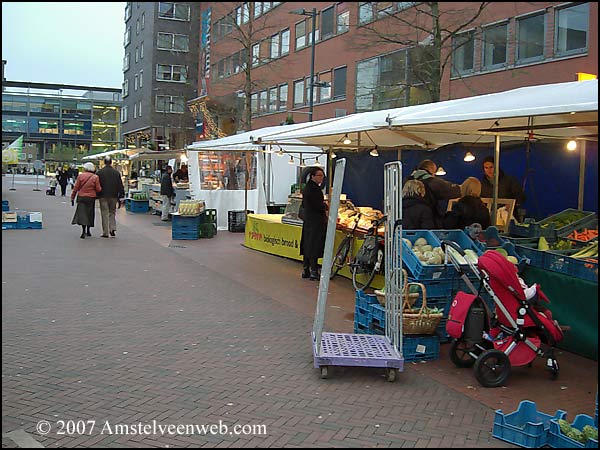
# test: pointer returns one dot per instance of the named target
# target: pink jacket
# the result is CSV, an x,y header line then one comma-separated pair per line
x,y
87,185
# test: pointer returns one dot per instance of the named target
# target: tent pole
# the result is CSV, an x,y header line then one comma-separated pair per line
x,y
581,175
496,179
329,170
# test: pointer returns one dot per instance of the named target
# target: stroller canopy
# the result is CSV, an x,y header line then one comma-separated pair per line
x,y
502,271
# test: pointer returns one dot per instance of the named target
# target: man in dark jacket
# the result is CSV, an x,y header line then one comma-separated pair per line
x,y
508,186
166,193
112,191
437,191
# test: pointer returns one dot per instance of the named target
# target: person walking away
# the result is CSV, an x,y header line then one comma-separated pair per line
x,y
86,188
63,179
469,209
437,190
166,193
112,191
508,186
314,228
416,214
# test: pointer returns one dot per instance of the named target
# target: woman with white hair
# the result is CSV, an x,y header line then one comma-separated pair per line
x,y
469,209
86,188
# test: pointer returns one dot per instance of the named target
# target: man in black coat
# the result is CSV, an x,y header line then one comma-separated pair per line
x,y
166,193
112,191
314,228
437,191
508,186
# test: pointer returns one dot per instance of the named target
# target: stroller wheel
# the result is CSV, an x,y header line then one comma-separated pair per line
x,y
459,353
552,366
492,368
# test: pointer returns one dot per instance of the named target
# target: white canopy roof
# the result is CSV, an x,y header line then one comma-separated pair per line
x,y
147,155
127,151
245,141
562,110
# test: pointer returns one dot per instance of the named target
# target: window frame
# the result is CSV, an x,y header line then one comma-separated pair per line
x,y
518,28
484,46
557,29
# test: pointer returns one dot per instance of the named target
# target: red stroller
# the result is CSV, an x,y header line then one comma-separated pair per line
x,y
513,336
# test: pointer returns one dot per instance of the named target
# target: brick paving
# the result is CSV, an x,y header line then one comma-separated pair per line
x,y
130,332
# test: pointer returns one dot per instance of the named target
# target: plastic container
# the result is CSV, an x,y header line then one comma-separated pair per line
x,y
526,426
236,221
137,206
416,269
420,348
585,217
556,439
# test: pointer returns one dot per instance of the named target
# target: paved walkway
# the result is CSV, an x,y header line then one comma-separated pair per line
x,y
139,334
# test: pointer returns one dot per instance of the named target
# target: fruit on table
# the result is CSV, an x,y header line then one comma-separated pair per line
x,y
543,244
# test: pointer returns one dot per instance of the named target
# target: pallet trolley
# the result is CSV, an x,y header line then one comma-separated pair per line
x,y
361,350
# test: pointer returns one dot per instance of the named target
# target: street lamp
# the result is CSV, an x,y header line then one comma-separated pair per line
x,y
312,13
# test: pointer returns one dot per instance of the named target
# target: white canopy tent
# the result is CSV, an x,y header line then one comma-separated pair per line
x,y
274,174
153,155
122,151
553,111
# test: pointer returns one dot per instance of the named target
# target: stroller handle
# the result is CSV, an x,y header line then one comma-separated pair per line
x,y
454,245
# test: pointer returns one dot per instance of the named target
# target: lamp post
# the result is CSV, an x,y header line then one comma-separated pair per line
x,y
313,14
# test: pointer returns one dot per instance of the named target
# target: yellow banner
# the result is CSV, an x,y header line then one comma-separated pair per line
x,y
266,233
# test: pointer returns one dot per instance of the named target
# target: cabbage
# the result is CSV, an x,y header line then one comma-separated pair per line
x,y
590,432
421,241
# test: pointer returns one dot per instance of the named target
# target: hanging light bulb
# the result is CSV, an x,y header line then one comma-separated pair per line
x,y
469,157
440,171
291,161
333,155
317,163
280,152
374,152
571,145
302,162
347,140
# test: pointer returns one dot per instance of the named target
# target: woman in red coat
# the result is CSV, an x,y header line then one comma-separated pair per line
x,y
86,188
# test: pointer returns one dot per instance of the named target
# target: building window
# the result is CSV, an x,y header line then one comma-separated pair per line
x,y
263,106
127,11
463,53
176,11
531,32
324,92
170,41
258,9
137,26
140,109
124,114
275,40
127,37
299,93
495,46
273,99
126,62
381,82
245,13
301,35
14,103
141,50
135,83
283,94
255,54
327,24
571,26
365,12
141,79
171,73
137,54
285,42
13,124
169,104
254,104
339,82
125,88
135,110
143,20
343,22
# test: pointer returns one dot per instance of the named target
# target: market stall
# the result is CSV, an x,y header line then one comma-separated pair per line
x,y
218,171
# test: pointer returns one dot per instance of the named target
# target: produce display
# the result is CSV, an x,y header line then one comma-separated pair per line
x,y
563,219
348,214
426,253
581,436
139,196
584,235
191,207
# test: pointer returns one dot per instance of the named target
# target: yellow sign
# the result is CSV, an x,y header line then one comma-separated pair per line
x,y
582,76
266,233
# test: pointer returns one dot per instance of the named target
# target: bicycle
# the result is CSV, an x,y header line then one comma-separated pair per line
x,y
369,259
340,259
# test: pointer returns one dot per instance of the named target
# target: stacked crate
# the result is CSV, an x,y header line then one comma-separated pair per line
x,y
208,223
236,221
5,206
137,206
21,220
185,227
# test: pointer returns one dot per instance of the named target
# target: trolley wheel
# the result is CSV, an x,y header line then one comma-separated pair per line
x,y
325,372
459,353
391,375
492,368
553,368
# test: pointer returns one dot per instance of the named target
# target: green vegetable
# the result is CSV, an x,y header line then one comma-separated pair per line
x,y
564,426
590,432
576,435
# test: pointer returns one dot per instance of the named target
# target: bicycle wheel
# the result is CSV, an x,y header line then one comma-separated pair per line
x,y
339,259
363,277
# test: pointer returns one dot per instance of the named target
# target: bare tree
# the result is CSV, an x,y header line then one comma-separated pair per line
x,y
245,30
428,30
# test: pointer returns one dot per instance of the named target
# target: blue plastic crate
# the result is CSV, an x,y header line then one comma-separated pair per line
x,y
137,206
184,235
587,217
530,229
186,221
460,237
5,207
525,427
441,332
29,225
420,347
360,329
415,267
361,318
9,225
556,439
364,300
437,288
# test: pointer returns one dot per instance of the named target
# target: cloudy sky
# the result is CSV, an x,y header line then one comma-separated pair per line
x,y
70,43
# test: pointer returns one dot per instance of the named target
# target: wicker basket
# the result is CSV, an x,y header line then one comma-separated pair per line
x,y
407,297
416,320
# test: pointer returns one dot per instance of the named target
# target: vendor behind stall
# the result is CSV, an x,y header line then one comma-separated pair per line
x,y
181,176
